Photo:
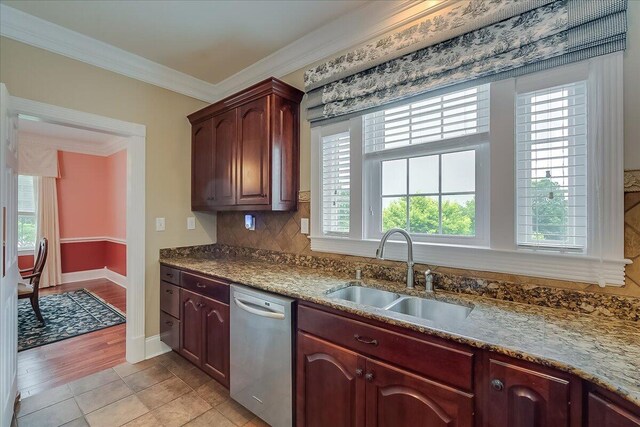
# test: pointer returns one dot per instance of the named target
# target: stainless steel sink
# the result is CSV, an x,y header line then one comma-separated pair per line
x,y
437,311
366,296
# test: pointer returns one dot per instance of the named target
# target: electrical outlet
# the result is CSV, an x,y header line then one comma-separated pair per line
x,y
304,225
191,223
160,226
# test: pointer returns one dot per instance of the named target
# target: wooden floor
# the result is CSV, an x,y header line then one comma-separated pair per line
x,y
58,363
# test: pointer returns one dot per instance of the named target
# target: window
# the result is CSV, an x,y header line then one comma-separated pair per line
x,y
421,165
26,213
336,180
518,176
551,160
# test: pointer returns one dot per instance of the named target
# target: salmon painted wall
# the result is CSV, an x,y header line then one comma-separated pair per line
x,y
91,204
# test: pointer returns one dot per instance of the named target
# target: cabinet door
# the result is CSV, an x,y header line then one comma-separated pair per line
x,y
202,180
225,132
330,388
520,397
215,357
254,153
603,413
397,398
285,159
191,309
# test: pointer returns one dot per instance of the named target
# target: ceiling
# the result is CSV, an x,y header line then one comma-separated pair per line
x,y
210,40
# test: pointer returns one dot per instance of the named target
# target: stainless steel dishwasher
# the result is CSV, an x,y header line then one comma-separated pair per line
x,y
261,353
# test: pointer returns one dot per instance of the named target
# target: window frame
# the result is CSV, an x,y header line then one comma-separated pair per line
x,y
34,215
603,263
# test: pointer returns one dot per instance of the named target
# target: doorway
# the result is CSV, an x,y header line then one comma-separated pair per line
x,y
131,138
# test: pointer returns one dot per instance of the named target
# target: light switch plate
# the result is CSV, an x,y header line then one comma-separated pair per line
x,y
304,225
160,226
191,223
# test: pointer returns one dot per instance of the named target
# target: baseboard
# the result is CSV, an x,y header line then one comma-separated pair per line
x,y
154,347
79,276
101,273
116,278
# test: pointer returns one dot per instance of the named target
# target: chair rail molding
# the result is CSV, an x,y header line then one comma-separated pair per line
x,y
362,24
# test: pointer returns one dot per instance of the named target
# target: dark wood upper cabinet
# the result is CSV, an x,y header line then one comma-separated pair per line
x,y
245,150
224,154
202,179
254,153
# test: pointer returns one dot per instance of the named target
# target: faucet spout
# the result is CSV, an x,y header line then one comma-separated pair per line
x,y
407,236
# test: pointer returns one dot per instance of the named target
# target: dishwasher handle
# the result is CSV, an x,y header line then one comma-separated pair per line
x,y
258,312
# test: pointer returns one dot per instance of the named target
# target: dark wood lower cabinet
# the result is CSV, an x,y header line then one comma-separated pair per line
x,y
398,398
215,357
338,387
330,391
522,397
205,334
604,413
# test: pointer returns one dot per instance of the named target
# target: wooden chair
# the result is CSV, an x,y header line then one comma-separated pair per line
x,y
31,289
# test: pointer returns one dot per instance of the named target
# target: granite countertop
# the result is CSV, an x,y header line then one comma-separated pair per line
x,y
603,351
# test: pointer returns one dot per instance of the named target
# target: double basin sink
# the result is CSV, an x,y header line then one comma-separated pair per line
x,y
422,308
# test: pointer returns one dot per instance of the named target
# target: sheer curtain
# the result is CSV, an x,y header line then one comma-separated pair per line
x,y
48,226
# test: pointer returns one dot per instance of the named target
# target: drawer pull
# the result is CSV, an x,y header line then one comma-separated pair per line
x,y
369,376
359,372
497,385
169,274
200,285
169,291
365,340
169,323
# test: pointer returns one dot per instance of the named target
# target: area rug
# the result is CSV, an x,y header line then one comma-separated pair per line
x,y
66,315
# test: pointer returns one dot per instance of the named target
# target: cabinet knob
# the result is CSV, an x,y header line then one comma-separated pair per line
x,y
199,305
369,376
497,385
359,372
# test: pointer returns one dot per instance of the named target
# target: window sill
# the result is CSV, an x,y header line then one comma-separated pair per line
x,y
24,252
550,265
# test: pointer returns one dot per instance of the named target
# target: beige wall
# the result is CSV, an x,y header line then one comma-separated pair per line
x,y
35,74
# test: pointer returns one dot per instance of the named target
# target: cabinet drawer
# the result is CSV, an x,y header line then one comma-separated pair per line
x,y
446,364
170,331
169,274
170,299
215,289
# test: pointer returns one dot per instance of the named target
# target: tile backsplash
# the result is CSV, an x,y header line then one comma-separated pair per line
x,y
280,231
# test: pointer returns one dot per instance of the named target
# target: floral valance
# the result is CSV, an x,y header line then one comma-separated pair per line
x,y
484,40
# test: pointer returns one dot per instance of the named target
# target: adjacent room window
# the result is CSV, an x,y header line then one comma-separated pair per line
x,y
551,167
336,184
421,164
26,213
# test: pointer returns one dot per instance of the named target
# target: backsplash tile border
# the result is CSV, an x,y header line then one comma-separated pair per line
x,y
597,304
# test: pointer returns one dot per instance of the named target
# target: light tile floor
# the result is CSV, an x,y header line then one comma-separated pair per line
x,y
163,391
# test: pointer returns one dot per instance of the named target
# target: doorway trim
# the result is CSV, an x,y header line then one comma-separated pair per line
x,y
135,136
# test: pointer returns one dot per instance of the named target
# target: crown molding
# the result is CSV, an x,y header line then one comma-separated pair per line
x,y
363,24
25,28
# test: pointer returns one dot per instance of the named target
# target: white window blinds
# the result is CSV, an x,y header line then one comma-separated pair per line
x,y
336,181
551,159
442,117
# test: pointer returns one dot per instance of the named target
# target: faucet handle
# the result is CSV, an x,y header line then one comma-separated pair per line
x,y
428,281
